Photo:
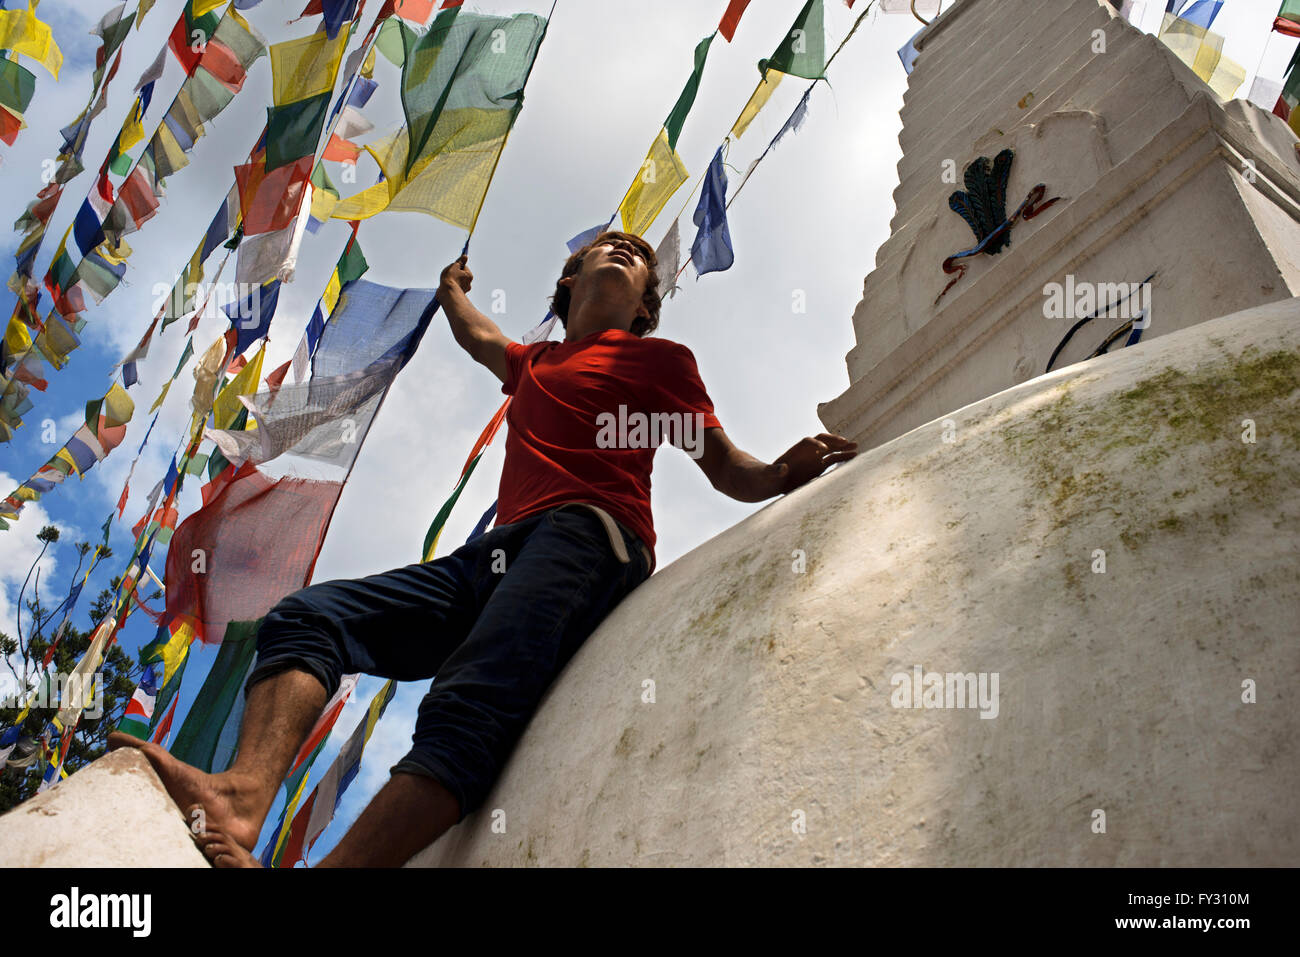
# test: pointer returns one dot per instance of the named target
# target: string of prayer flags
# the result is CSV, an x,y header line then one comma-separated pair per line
x,y
462,90
803,51
712,250
139,710
1202,50
314,816
1287,21
484,440
295,783
103,431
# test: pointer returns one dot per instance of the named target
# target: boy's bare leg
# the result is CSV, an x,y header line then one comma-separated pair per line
x,y
408,814
278,716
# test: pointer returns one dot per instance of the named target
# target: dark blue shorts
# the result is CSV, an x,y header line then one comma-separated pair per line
x,y
495,621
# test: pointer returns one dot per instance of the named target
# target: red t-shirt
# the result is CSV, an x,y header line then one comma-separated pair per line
x,y
567,403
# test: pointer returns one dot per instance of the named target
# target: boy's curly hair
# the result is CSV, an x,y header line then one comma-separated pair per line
x,y
651,298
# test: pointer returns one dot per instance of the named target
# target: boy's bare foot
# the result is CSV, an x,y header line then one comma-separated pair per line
x,y
218,847
228,803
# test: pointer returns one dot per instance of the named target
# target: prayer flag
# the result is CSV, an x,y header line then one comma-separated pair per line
x,y
462,87
21,32
662,173
1287,21
731,18
312,820
677,117
803,51
711,251
306,67
1202,50
762,93
259,537
139,710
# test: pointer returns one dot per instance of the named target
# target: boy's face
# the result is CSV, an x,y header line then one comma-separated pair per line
x,y
615,257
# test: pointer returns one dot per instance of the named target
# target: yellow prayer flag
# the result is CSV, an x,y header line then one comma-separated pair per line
x,y
228,405
1202,50
660,176
323,203
333,289
17,338
176,651
118,407
145,7
448,182
202,7
306,67
63,455
762,93
206,374
21,32
161,395
25,494
132,130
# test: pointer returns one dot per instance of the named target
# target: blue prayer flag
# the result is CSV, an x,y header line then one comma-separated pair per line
x,y
711,251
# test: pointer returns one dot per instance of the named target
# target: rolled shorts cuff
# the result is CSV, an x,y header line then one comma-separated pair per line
x,y
428,766
273,666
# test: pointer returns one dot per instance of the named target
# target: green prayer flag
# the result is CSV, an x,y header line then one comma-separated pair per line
x,y
435,529
92,414
293,130
196,742
17,85
185,356
352,264
468,62
320,178
165,696
684,102
391,41
803,51
207,23
121,163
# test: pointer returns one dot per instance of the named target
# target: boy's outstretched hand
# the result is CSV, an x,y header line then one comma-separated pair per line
x,y
457,274
812,456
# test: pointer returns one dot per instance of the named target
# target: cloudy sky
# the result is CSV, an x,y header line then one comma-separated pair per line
x,y
806,228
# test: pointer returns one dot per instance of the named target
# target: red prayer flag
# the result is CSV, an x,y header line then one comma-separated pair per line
x,y
221,62
414,10
732,17
180,44
1288,28
137,197
270,201
10,125
341,150
251,545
